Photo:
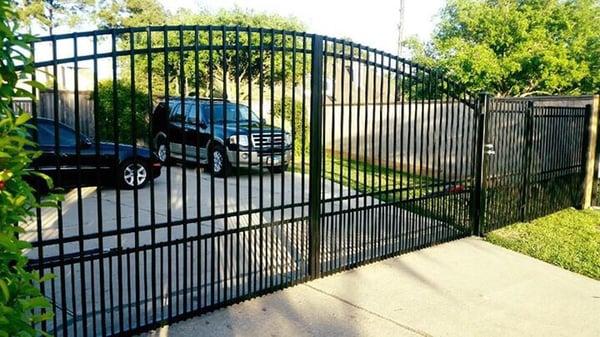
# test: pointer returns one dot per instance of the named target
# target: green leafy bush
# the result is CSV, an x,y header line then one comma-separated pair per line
x,y
21,303
124,127
292,113
19,292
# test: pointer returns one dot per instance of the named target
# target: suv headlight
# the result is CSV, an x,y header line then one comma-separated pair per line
x,y
241,140
288,139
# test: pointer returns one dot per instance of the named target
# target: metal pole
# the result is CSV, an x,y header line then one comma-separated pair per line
x,y
314,194
594,197
527,159
478,197
401,28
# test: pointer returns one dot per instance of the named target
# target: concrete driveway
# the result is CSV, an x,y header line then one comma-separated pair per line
x,y
463,288
186,196
185,201
277,238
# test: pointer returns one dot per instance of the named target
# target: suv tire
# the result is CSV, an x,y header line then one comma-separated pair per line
x,y
132,170
218,163
278,169
162,150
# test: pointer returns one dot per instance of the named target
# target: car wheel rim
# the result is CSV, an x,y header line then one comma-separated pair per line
x,y
217,161
162,153
135,173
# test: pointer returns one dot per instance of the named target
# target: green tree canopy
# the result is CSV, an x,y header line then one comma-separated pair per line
x,y
517,47
130,13
49,14
243,64
227,65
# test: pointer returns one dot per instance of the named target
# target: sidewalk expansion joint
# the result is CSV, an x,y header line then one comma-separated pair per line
x,y
403,326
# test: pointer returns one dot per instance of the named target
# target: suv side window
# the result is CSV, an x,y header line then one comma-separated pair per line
x,y
175,112
190,113
205,112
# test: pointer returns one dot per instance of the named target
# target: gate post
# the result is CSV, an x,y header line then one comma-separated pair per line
x,y
590,137
594,197
526,164
314,187
478,196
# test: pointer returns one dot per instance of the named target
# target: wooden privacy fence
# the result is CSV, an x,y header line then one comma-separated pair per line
x,y
66,108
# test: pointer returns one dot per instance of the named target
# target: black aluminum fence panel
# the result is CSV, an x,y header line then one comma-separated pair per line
x,y
397,176
535,164
396,165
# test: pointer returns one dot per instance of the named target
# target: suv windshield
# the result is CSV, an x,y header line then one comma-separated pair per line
x,y
245,115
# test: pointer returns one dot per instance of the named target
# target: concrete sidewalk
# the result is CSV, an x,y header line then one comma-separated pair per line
x,y
463,288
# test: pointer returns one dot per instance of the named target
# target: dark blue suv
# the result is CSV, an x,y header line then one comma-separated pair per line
x,y
183,130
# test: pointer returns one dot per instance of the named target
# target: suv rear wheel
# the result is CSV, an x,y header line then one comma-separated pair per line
x,y
218,162
133,174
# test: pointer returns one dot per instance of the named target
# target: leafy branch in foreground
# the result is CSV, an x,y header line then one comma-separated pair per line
x,y
21,302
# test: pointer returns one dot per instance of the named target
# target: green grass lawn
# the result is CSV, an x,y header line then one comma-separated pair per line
x,y
569,239
388,185
371,178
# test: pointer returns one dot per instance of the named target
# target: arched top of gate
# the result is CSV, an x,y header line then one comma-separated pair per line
x,y
333,47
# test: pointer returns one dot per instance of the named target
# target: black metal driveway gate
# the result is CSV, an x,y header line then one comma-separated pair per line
x,y
380,161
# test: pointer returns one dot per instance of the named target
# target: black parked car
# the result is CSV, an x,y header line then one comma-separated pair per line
x,y
123,168
177,129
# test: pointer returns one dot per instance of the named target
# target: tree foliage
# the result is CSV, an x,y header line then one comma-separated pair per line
x,y
519,48
295,115
221,72
178,73
121,107
21,303
50,14
130,13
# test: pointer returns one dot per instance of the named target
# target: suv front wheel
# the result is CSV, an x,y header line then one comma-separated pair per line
x,y
218,162
162,151
278,169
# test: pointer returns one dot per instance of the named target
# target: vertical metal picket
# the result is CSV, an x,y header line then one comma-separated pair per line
x,y
314,194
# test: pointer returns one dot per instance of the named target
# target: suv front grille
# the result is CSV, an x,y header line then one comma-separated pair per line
x,y
267,139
